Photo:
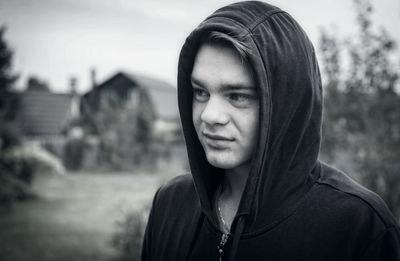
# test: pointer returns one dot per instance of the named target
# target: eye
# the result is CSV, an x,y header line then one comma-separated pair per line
x,y
200,95
238,97
242,99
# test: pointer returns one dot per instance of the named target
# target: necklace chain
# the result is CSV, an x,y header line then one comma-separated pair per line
x,y
222,219
225,226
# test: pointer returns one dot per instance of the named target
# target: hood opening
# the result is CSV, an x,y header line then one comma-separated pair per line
x,y
284,166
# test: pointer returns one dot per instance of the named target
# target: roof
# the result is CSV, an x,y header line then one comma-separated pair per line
x,y
163,95
43,112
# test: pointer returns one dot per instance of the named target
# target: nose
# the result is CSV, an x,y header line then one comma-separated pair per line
x,y
215,112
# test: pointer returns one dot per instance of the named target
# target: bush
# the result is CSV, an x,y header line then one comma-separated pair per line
x,y
74,153
19,164
129,236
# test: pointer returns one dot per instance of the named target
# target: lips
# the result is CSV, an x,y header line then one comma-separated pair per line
x,y
217,141
216,137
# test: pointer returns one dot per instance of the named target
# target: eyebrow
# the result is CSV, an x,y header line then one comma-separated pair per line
x,y
226,87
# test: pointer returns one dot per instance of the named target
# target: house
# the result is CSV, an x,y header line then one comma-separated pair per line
x,y
44,116
138,94
126,120
133,116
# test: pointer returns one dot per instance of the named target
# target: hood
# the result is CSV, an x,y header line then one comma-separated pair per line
x,y
285,163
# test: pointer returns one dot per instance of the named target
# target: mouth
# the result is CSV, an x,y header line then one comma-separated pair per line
x,y
217,137
216,141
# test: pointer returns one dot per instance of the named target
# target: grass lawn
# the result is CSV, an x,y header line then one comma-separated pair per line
x,y
75,216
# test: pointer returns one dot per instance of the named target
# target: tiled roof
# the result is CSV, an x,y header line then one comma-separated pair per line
x,y
43,113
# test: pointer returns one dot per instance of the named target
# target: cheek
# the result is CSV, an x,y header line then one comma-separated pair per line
x,y
249,127
254,122
196,115
255,128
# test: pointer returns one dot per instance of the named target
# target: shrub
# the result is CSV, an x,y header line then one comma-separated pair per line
x,y
129,236
74,153
19,164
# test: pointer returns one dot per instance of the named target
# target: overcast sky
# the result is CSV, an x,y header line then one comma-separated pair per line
x,y
59,39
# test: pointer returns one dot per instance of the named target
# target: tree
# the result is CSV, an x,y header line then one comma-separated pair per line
x,y
8,101
7,78
37,84
18,162
362,112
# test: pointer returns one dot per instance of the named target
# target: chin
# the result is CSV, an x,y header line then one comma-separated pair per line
x,y
222,162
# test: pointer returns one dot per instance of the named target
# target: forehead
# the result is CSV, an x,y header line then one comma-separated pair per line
x,y
220,64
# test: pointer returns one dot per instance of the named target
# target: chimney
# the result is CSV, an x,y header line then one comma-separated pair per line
x,y
75,99
93,77
73,82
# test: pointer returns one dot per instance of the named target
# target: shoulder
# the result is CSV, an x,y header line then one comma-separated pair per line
x,y
184,182
179,191
175,206
348,197
173,219
351,214
178,186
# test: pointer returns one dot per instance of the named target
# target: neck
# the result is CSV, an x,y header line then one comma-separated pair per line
x,y
232,189
235,181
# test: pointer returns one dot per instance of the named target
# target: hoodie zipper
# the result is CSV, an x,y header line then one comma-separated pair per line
x,y
221,245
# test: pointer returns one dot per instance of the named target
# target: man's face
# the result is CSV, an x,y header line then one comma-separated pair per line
x,y
225,106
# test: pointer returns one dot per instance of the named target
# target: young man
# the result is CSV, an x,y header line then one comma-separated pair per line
x,y
250,101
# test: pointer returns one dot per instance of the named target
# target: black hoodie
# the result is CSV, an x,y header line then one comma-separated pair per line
x,y
293,206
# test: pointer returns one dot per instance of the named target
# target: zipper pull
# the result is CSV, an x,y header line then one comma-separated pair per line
x,y
220,247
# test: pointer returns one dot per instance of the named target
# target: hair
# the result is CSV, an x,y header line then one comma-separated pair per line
x,y
233,41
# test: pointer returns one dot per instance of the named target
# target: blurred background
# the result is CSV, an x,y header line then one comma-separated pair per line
x,y
89,125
